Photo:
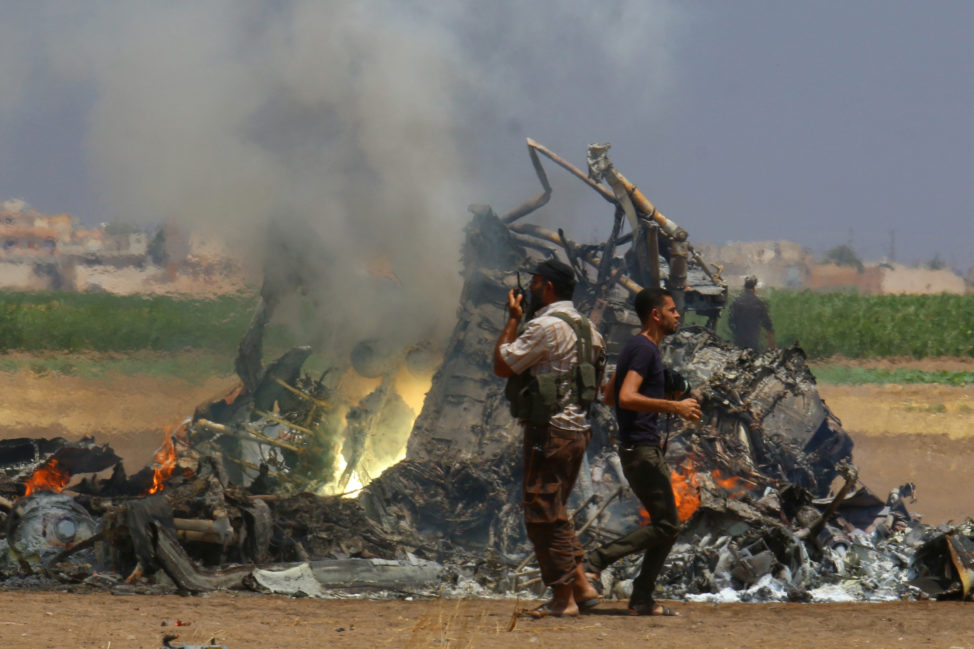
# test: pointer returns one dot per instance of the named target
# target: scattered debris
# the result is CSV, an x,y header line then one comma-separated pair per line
x,y
772,508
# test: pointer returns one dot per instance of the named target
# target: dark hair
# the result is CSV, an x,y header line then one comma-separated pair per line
x,y
649,299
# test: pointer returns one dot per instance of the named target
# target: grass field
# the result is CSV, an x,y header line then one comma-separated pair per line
x,y
103,322
880,326
825,325
841,374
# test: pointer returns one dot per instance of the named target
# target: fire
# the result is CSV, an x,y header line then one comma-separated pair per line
x,y
685,492
734,486
48,477
731,484
412,389
164,461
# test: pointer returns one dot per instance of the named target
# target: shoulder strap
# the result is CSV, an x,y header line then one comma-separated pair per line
x,y
583,335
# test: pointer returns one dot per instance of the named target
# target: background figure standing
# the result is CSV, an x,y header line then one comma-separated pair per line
x,y
748,316
553,452
637,391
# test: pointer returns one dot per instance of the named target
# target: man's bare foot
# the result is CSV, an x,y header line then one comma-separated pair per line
x,y
583,591
554,608
558,609
562,601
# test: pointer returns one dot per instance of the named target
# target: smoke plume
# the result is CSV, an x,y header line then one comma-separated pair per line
x,y
351,132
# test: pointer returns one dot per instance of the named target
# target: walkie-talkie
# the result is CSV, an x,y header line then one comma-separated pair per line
x,y
519,291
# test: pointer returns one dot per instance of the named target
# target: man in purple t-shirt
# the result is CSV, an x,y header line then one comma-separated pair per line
x,y
636,390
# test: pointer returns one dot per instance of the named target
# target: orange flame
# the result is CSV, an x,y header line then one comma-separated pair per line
x,y
735,487
685,492
164,461
47,477
732,483
644,517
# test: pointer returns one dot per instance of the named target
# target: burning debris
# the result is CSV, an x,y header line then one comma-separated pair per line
x,y
235,497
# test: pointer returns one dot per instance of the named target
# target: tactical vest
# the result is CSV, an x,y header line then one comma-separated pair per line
x,y
534,398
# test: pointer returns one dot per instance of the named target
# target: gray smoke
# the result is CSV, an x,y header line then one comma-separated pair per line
x,y
362,124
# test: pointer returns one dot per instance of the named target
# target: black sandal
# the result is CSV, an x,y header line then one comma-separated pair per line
x,y
545,611
650,609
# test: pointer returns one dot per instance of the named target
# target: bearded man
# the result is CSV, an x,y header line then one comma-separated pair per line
x,y
553,449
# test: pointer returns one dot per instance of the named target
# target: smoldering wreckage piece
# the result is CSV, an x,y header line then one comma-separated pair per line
x,y
772,508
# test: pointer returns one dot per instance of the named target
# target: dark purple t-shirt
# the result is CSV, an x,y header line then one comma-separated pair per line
x,y
641,356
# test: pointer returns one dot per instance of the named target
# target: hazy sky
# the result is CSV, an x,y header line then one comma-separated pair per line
x,y
824,122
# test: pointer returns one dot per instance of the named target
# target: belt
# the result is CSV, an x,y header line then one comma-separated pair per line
x,y
550,427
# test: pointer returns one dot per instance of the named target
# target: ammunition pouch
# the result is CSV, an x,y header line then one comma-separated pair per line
x,y
587,384
535,398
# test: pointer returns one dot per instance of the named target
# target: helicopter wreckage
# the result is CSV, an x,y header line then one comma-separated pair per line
x,y
771,504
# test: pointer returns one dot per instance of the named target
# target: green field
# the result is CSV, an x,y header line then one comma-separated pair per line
x,y
882,326
844,375
91,335
102,322
858,327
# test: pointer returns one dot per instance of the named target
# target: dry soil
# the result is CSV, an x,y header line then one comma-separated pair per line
x,y
921,434
101,621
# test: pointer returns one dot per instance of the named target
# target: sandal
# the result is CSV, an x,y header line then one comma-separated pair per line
x,y
650,608
545,611
590,603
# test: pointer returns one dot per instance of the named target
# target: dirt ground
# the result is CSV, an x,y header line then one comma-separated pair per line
x,y
903,433
923,434
912,433
128,412
101,621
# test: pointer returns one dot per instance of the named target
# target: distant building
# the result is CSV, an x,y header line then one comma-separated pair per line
x,y
776,264
41,252
27,233
785,264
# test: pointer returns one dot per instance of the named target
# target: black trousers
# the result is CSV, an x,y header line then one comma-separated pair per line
x,y
649,478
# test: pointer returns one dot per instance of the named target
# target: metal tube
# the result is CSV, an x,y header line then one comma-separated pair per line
x,y
591,257
618,492
531,205
677,281
652,250
581,175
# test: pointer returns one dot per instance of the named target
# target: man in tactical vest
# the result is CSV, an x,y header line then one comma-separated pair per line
x,y
554,367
